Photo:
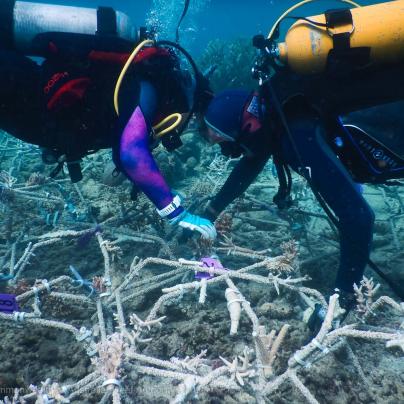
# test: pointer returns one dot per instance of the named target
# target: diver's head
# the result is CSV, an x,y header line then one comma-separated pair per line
x,y
224,116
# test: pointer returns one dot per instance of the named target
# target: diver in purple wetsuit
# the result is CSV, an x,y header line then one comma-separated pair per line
x,y
65,105
137,162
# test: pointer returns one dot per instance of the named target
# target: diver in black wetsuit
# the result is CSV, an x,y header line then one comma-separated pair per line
x,y
245,125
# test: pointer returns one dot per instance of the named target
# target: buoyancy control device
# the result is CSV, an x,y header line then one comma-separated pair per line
x,y
27,27
368,160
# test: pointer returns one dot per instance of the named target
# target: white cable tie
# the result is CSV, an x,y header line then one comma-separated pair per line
x,y
55,219
19,316
46,284
301,362
321,347
45,399
234,301
91,353
84,334
170,208
108,382
105,294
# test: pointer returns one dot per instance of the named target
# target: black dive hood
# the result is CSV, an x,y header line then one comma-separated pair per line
x,y
29,27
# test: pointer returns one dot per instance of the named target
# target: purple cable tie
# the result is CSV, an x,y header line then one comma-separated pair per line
x,y
209,262
8,304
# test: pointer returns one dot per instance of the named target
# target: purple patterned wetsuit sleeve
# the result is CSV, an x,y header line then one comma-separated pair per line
x,y
139,164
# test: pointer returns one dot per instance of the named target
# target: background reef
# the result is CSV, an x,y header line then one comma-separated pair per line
x,y
233,60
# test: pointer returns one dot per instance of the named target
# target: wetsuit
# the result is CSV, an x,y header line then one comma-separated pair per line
x,y
310,121
133,151
331,179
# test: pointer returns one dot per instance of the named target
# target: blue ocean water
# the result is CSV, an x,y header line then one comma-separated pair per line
x,y
209,19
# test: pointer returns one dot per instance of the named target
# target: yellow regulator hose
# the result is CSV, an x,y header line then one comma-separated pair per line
x,y
177,117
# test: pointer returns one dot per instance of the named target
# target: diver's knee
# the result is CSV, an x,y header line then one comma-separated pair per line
x,y
367,216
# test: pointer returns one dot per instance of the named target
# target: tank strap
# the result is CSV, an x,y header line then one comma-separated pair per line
x,y
106,21
343,59
282,198
7,23
73,168
336,18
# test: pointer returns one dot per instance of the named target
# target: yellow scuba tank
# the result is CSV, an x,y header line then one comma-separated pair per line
x,y
363,36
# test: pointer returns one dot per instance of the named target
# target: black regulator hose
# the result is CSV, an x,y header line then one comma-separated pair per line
x,y
184,13
198,76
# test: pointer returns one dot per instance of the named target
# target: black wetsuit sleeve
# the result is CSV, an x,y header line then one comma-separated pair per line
x,y
243,174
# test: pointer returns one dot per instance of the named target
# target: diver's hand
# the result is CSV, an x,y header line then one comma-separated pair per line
x,y
195,223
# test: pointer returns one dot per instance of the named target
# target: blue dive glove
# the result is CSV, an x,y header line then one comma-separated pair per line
x,y
195,223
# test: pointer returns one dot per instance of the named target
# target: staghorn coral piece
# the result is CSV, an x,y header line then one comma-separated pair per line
x,y
56,392
203,294
290,249
224,224
48,392
234,307
202,246
286,261
302,388
280,264
138,323
364,296
113,249
268,347
99,284
6,179
396,343
228,246
16,399
109,360
189,364
238,373
35,178
185,389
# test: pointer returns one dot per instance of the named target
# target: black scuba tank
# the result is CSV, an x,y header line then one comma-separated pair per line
x,y
29,27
